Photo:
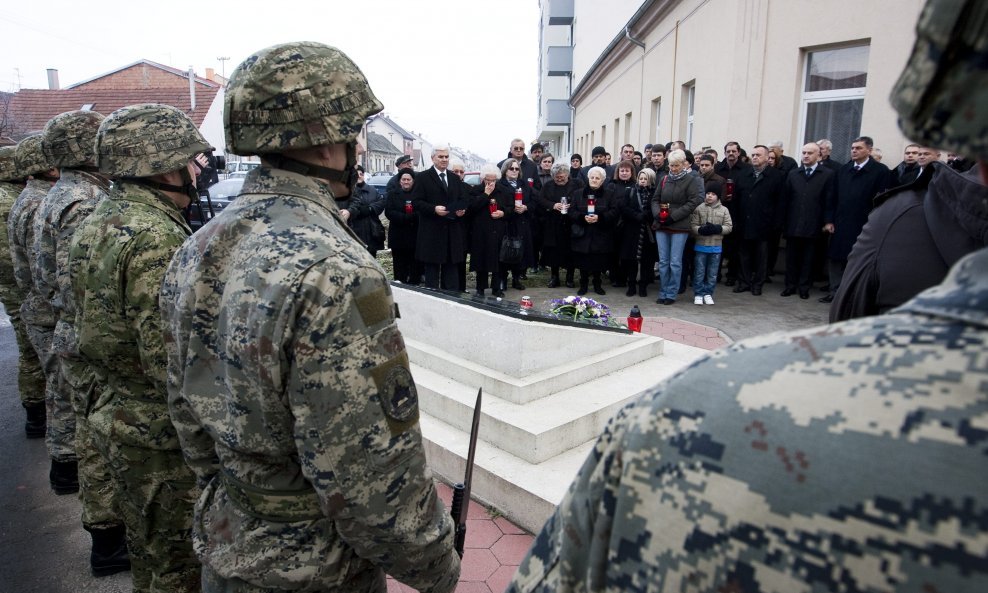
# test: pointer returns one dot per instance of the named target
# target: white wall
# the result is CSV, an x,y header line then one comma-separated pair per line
x,y
747,60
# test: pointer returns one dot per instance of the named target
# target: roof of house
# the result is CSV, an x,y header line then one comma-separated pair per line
x,y
30,109
169,69
378,143
405,133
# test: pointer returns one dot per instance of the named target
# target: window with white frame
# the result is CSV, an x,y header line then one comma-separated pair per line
x,y
690,101
833,97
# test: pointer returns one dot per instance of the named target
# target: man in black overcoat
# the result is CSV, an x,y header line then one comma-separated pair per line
x,y
758,192
806,191
859,181
440,199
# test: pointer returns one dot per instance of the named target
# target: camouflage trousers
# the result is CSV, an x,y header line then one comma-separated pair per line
x,y
158,494
98,491
30,378
60,437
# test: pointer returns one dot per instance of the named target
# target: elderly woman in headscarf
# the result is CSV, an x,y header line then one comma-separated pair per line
x,y
555,200
677,195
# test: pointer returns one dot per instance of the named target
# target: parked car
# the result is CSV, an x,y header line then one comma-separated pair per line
x,y
220,195
378,182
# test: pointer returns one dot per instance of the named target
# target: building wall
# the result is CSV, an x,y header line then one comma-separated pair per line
x,y
596,24
138,76
747,60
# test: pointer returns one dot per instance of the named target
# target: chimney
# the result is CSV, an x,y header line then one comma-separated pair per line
x,y
52,79
192,90
211,74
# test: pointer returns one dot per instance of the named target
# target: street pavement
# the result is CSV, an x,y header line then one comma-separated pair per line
x,y
45,550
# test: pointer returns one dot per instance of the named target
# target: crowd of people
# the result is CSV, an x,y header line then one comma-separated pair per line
x,y
663,216
236,408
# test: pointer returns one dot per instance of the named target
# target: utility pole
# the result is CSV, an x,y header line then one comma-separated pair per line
x,y
223,60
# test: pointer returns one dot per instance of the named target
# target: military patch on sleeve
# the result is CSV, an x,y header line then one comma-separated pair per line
x,y
399,398
374,308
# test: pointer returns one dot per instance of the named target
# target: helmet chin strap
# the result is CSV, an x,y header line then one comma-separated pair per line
x,y
188,186
347,177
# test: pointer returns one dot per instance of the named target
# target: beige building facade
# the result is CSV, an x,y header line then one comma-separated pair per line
x,y
710,71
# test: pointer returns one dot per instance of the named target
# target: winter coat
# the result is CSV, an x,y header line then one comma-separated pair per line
x,y
758,203
521,225
803,202
366,206
913,237
598,237
486,233
683,196
636,214
716,214
441,239
557,227
851,202
403,227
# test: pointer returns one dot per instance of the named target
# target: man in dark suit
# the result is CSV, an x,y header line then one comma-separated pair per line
x,y
858,182
758,193
730,168
805,194
440,200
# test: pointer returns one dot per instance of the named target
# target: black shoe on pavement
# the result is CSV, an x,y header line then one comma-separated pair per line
x,y
730,282
804,294
517,285
827,299
64,477
642,291
756,291
498,293
553,282
36,424
570,284
631,291
740,288
788,292
109,553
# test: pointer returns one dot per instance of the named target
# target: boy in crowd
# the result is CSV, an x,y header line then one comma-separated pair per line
x,y
709,222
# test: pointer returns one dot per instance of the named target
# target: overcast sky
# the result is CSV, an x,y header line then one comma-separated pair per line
x,y
465,73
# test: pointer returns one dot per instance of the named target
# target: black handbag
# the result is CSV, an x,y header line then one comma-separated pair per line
x,y
511,250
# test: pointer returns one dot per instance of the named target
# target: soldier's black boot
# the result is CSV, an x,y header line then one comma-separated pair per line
x,y
109,554
583,286
36,423
64,477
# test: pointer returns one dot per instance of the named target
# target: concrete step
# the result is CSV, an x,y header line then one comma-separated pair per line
x,y
514,471
523,389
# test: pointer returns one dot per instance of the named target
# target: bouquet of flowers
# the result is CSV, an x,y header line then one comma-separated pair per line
x,y
578,308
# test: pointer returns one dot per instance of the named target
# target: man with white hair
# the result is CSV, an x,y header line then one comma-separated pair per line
x,y
826,147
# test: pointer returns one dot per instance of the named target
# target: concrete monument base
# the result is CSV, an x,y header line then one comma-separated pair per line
x,y
549,390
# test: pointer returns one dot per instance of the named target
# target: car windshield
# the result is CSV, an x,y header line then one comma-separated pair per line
x,y
228,188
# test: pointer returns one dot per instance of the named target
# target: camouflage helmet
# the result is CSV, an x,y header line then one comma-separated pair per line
x,y
69,138
8,168
295,95
942,94
29,158
145,140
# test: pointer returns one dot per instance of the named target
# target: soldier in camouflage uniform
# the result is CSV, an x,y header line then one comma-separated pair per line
x,y
68,143
843,458
117,258
36,311
288,378
30,379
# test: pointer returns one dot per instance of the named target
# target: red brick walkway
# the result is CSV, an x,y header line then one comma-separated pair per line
x,y
494,548
684,332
